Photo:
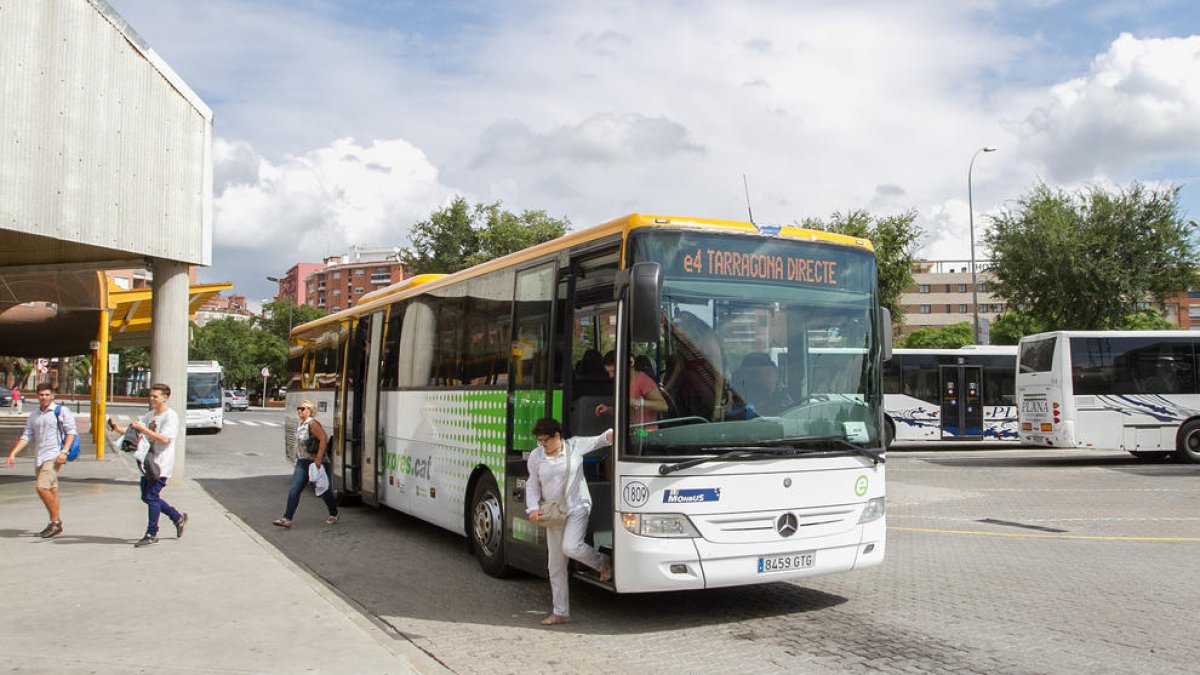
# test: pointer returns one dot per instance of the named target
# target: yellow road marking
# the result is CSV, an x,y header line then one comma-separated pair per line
x,y
1030,535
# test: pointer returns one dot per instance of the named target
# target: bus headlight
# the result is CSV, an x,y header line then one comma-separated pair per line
x,y
659,525
873,512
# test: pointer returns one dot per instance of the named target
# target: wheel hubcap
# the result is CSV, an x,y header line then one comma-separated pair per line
x,y
487,525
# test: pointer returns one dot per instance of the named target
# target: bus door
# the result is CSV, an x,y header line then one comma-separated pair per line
x,y
962,402
529,399
362,409
590,333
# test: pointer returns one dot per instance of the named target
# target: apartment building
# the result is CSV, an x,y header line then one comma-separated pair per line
x,y
342,280
942,295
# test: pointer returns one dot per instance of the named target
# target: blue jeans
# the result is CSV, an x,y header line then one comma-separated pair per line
x,y
299,480
151,489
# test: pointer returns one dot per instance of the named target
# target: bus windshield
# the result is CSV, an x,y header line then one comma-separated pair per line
x,y
767,343
203,390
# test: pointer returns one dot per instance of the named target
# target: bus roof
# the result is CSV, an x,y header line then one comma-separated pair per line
x,y
384,296
1185,334
1010,350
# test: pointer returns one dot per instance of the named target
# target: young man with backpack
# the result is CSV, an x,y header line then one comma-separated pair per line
x,y
52,430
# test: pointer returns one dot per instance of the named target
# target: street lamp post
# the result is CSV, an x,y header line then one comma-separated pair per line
x,y
971,219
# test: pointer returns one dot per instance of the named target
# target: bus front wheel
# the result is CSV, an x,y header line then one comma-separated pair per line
x,y
487,527
1188,446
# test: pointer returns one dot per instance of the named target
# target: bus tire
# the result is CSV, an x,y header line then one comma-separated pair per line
x,y
889,432
1187,447
487,527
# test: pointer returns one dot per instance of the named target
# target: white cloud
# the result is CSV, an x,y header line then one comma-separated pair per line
x,y
1139,104
592,110
321,202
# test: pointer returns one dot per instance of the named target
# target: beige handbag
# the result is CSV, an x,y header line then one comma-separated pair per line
x,y
554,514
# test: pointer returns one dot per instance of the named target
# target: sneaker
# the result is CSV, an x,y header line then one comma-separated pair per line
x,y
146,541
179,525
55,527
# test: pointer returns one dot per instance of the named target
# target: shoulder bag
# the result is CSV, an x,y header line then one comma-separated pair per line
x,y
554,512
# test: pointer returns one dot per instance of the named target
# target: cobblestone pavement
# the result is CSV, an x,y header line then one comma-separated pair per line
x,y
999,561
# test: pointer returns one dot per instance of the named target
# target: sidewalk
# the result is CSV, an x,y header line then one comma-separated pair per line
x,y
219,600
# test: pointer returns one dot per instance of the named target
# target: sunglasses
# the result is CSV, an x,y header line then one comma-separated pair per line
x,y
300,407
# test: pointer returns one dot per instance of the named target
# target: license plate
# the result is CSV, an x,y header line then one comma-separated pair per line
x,y
787,562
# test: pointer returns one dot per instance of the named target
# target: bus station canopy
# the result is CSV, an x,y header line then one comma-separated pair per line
x,y
58,313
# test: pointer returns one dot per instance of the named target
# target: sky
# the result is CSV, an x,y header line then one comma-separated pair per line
x,y
342,123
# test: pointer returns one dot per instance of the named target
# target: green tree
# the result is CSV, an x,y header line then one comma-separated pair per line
x,y
944,337
1147,319
1011,326
279,316
461,235
243,350
1089,260
895,239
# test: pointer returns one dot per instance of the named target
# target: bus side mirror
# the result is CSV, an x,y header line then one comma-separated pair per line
x,y
885,334
645,300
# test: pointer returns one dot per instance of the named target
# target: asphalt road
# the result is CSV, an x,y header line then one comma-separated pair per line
x,y
1000,560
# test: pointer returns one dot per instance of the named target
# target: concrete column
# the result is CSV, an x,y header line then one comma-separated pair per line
x,y
169,343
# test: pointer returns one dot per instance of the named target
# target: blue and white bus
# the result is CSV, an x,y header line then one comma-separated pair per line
x,y
1135,391
966,394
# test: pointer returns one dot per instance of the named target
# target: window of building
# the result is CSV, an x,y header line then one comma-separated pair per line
x,y
926,309
962,309
984,288
358,272
923,288
997,308
962,288
358,289
337,275
337,292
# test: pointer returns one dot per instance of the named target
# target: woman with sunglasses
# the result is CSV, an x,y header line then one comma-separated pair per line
x,y
312,445
555,469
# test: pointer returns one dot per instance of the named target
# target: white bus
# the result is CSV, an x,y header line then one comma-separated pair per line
x,y
966,394
204,405
1124,390
431,388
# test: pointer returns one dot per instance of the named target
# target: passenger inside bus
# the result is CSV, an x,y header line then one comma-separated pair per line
x,y
645,399
757,388
591,387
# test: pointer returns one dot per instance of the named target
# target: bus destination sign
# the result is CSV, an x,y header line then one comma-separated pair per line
x,y
759,266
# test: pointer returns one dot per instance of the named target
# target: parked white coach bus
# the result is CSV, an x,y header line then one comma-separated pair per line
x,y
1125,390
963,394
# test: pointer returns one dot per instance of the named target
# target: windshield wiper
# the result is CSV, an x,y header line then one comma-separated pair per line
x,y
775,448
732,453
875,456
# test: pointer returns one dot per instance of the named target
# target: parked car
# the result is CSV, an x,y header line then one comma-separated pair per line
x,y
235,399
5,397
